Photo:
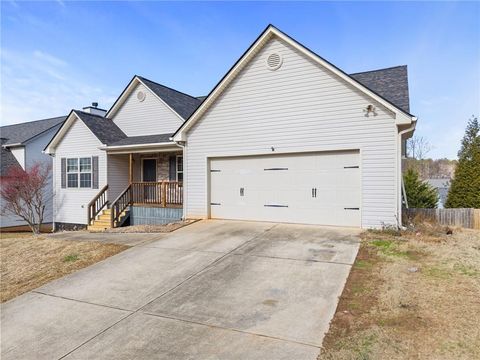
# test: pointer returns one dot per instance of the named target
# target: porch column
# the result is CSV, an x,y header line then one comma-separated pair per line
x,y
130,168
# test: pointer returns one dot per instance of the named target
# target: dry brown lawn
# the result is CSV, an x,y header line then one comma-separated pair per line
x,y
413,296
151,228
27,262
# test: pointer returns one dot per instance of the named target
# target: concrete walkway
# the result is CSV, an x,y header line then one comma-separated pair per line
x,y
211,290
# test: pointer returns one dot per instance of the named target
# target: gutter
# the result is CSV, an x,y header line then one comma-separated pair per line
x,y
6,146
402,185
133,146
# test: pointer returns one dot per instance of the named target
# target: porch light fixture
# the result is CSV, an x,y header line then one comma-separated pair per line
x,y
370,109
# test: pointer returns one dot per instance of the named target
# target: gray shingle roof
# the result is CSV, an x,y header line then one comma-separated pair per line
x,y
19,133
182,103
390,83
7,159
145,139
104,129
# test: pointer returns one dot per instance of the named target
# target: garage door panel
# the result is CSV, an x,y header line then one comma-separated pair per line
x,y
301,188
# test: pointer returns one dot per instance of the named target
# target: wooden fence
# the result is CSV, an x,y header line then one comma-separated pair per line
x,y
466,218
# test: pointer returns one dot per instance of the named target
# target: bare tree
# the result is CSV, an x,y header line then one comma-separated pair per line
x,y
418,147
23,194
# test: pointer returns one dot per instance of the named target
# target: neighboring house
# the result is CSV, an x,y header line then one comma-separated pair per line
x,y
441,186
22,146
285,136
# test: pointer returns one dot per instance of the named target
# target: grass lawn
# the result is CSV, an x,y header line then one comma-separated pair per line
x,y
414,295
27,262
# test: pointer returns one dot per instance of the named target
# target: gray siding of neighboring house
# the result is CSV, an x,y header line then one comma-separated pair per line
x,y
299,107
148,117
71,204
33,154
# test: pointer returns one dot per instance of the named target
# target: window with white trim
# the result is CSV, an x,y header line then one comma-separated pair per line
x,y
79,172
179,168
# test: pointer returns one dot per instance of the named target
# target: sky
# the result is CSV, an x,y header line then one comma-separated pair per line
x,y
60,55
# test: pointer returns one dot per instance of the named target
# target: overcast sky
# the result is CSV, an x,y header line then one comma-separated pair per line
x,y
60,55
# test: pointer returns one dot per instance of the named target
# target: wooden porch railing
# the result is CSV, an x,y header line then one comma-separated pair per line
x,y
165,193
162,193
119,205
97,204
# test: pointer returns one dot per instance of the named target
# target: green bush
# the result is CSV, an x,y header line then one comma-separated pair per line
x,y
465,188
419,193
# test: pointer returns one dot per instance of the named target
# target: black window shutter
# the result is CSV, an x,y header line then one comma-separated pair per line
x,y
95,172
173,168
64,172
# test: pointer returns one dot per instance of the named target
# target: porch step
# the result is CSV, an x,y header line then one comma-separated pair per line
x,y
100,222
97,228
103,221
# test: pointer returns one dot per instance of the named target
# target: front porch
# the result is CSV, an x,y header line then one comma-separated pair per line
x,y
143,188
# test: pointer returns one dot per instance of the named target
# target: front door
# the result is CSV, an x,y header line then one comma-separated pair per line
x,y
149,174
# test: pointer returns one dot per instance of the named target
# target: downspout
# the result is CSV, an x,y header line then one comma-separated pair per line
x,y
399,200
182,144
54,198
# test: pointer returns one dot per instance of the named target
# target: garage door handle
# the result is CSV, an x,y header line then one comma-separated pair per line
x,y
314,192
351,208
242,191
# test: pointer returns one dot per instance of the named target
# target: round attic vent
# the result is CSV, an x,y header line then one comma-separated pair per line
x,y
141,96
274,61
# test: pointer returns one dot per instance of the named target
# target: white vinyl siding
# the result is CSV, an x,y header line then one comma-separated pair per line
x,y
299,107
19,153
71,203
118,172
147,117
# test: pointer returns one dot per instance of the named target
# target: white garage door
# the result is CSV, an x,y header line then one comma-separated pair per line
x,y
320,188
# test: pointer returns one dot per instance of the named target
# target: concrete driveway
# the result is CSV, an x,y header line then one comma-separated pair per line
x,y
211,290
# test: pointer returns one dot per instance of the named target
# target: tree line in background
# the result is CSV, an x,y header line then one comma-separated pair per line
x,y
465,173
430,168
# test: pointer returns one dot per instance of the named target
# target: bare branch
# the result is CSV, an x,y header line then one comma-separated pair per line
x,y
418,147
23,194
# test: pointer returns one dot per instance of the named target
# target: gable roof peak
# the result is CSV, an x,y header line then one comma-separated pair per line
x,y
180,103
404,117
167,87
